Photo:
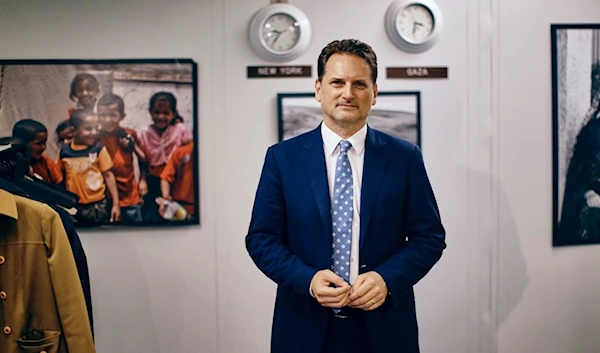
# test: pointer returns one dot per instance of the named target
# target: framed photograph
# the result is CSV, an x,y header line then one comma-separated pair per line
x,y
120,134
395,113
576,133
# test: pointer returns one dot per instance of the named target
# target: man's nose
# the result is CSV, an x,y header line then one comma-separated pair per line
x,y
347,93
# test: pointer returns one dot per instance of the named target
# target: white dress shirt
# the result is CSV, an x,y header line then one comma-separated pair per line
x,y
356,156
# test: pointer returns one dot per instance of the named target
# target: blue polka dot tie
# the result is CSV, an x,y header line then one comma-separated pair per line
x,y
341,213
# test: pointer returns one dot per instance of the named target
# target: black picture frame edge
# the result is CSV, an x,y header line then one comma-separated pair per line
x,y
196,168
558,26
554,72
554,28
79,61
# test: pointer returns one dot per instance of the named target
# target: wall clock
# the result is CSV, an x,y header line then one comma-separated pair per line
x,y
413,25
280,32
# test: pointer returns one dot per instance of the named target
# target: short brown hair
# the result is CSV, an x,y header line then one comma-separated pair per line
x,y
348,46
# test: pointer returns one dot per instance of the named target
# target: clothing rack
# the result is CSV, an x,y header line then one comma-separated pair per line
x,y
13,163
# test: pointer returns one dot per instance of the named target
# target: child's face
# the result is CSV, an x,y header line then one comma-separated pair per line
x,y
66,135
87,132
162,114
38,145
86,94
110,117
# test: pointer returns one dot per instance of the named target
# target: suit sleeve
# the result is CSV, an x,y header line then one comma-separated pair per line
x,y
265,241
425,233
68,292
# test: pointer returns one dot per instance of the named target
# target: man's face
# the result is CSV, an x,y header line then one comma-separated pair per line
x,y
110,117
38,145
346,92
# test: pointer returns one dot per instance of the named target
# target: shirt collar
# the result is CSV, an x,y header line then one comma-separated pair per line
x,y
8,205
76,147
331,140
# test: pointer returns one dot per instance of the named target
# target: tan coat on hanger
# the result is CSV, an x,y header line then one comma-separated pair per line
x,y
42,307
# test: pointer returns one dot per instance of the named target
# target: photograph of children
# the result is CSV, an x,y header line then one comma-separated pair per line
x,y
121,135
576,133
395,113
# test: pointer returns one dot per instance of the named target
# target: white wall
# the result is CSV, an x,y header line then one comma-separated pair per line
x,y
499,287
557,312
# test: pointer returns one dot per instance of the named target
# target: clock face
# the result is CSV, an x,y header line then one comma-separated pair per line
x,y
281,32
415,23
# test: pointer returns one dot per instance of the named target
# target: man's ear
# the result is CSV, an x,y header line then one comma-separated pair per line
x,y
375,91
318,91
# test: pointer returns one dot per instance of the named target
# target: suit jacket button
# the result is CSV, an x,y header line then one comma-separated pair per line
x,y
7,330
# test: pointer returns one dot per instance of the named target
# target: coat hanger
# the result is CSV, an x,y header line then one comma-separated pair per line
x,y
14,160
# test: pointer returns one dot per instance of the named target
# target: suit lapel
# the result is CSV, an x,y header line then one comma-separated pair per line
x,y
313,159
374,168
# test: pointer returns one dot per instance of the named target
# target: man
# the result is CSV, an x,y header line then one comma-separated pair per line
x,y
345,222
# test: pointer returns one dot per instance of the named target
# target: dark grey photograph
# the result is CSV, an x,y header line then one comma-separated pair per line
x,y
395,113
576,133
119,136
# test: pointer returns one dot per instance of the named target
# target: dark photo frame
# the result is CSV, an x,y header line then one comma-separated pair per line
x,y
576,133
396,113
146,129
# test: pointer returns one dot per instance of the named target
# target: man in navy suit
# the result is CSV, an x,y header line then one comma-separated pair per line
x,y
345,222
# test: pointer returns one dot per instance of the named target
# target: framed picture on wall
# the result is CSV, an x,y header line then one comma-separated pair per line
x,y
576,133
120,134
395,113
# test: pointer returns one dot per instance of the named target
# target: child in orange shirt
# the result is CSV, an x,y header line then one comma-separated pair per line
x,y
87,167
35,134
121,144
177,179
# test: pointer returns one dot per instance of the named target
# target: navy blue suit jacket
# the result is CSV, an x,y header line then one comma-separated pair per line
x,y
289,238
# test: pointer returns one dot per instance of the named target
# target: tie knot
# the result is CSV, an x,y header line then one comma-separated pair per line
x,y
345,146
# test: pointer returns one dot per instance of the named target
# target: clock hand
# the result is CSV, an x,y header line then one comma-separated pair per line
x,y
276,38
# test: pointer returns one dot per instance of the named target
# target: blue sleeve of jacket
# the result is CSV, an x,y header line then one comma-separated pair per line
x,y
425,233
267,234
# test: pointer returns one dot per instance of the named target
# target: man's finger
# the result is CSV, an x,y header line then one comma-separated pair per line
x,y
332,300
365,298
360,290
358,282
326,291
331,277
371,304
340,303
